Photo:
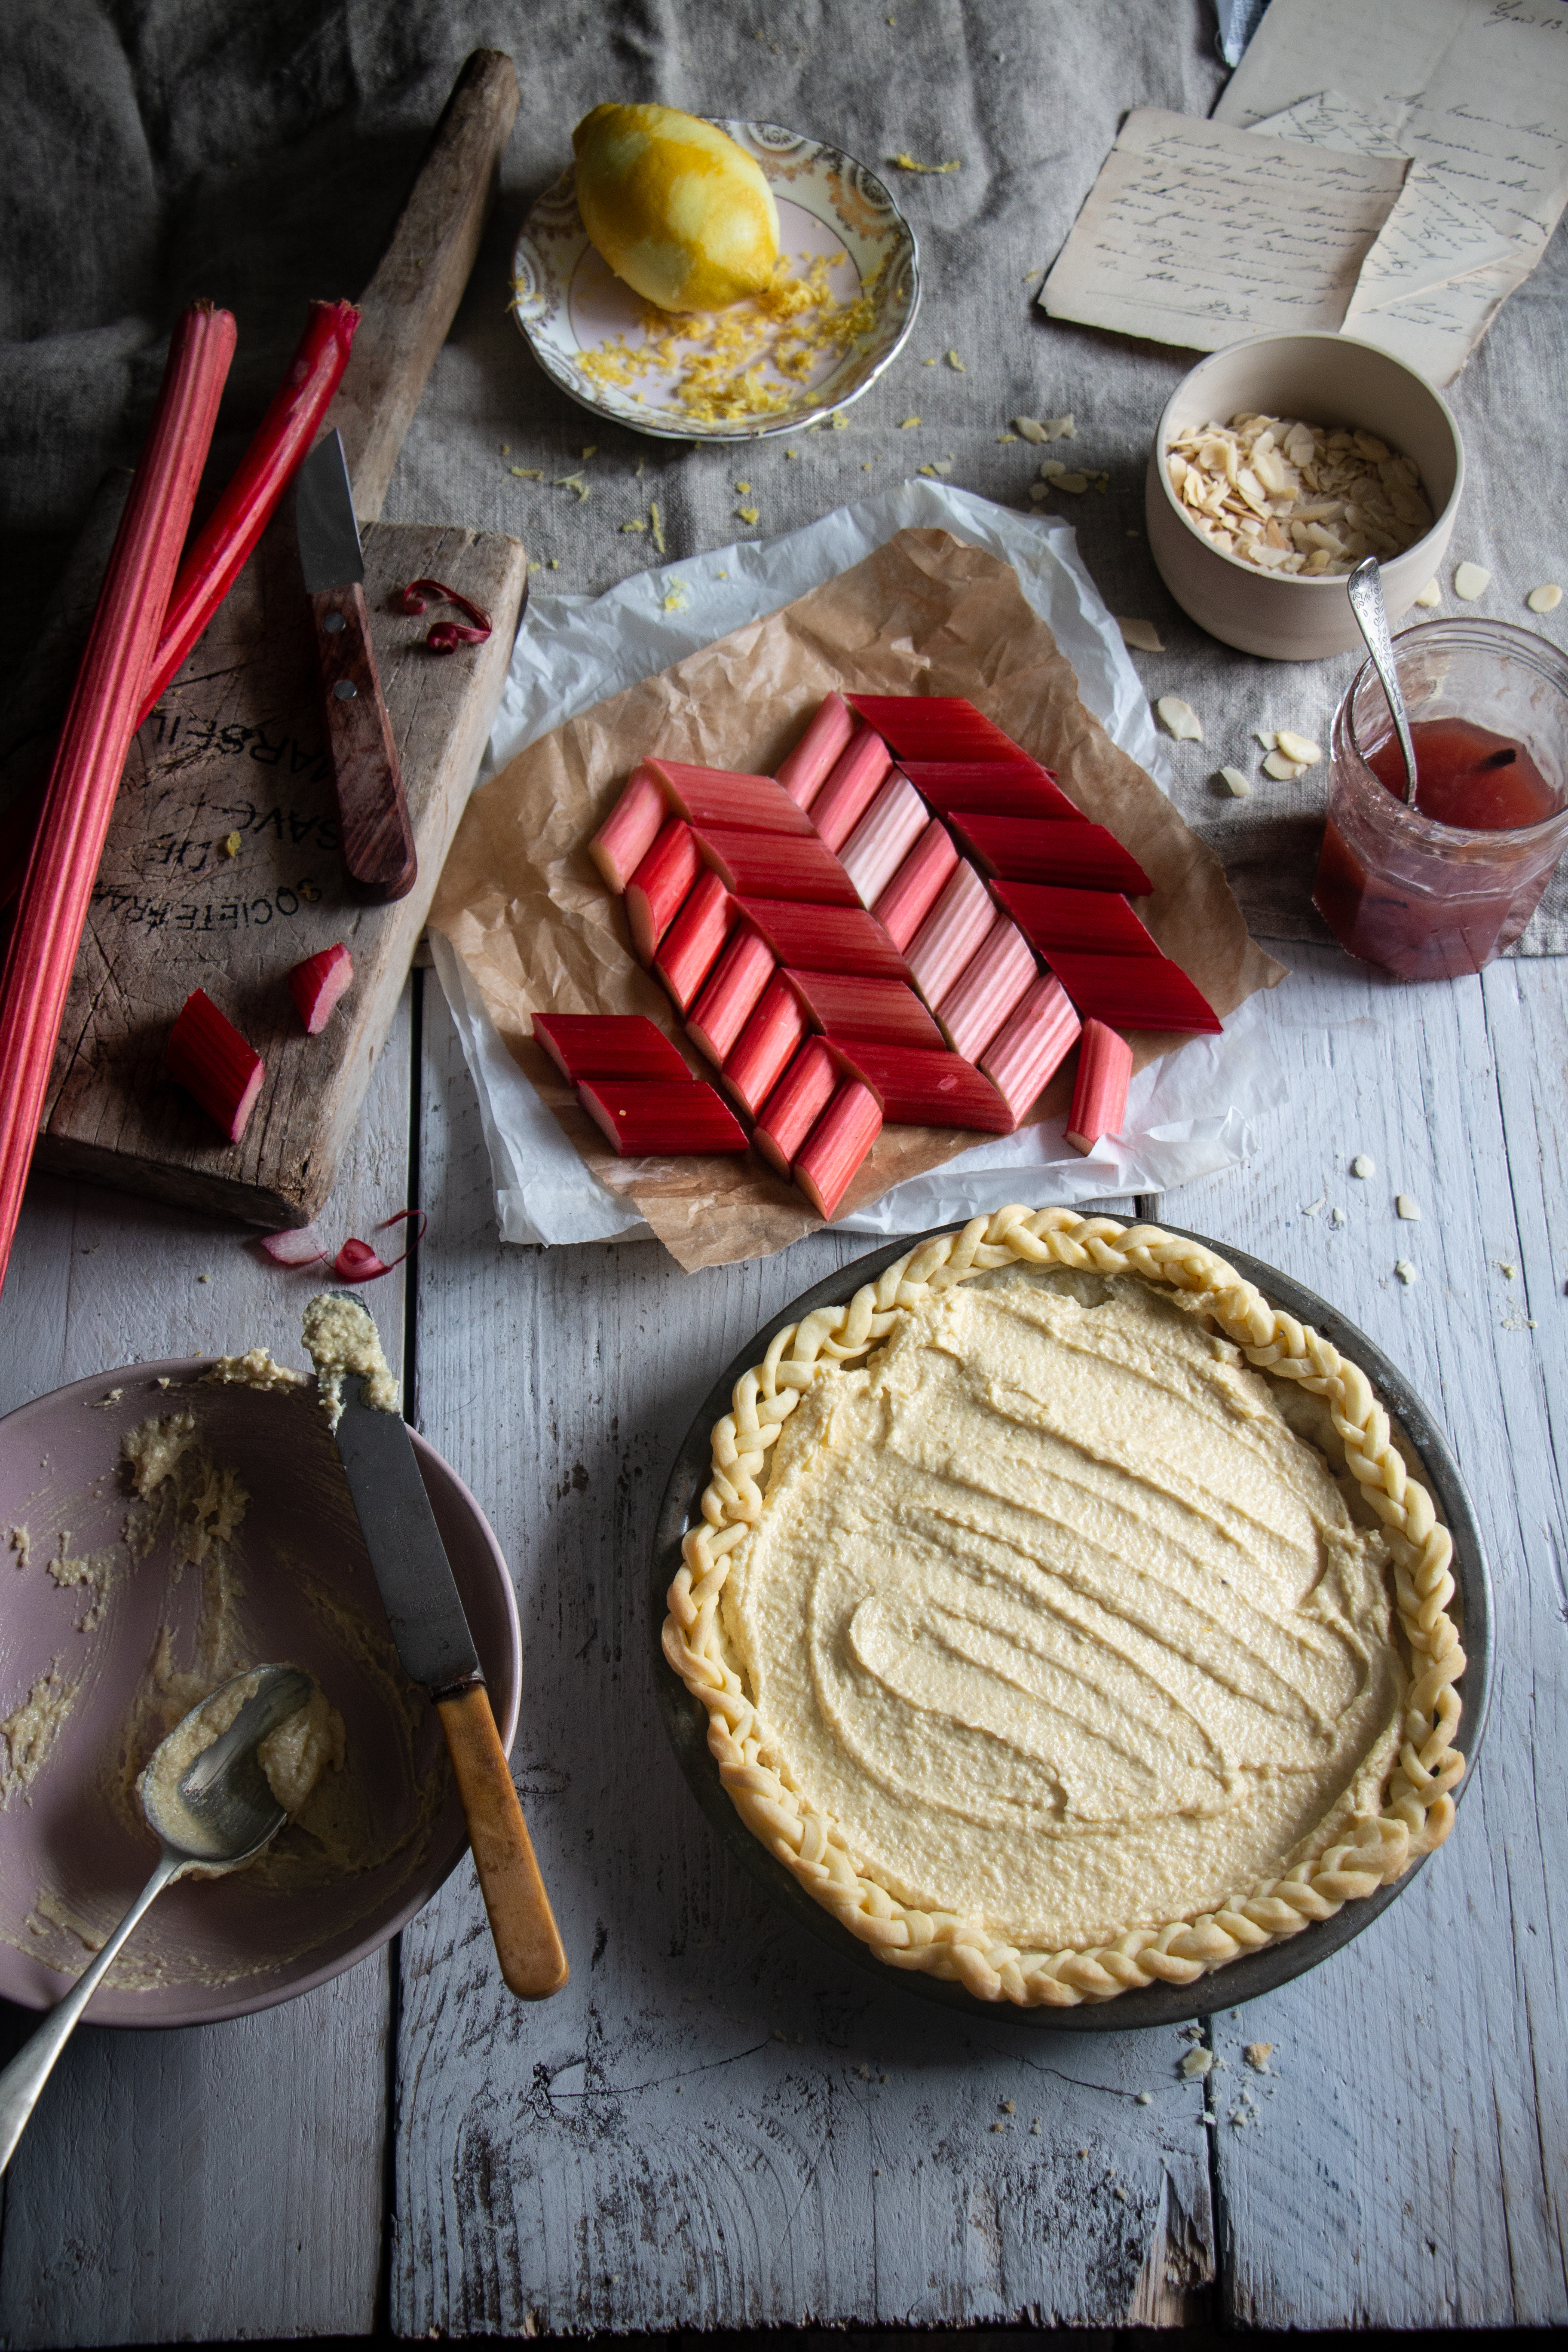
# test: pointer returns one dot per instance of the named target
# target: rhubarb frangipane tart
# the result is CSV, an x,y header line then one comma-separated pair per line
x,y
1067,1616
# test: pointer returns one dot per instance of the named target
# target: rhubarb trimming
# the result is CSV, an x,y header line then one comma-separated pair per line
x,y
446,637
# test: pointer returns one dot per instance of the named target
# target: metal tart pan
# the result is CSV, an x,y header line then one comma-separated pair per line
x,y
1240,1981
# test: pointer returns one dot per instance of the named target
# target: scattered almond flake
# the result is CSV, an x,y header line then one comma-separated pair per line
x,y
1258,2055
1283,771
1143,2099
1143,635
1314,1206
229,845
676,600
1009,2107
955,361
1471,581
1007,437
1052,468
747,514
1336,1216
1429,595
526,473
1197,2064
1179,719
1236,784
1300,748
1287,497
1031,428
1544,599
908,423
1038,491
656,525
1364,1165
1073,483
1405,1270
634,526
1404,1206
1059,428
1267,741
744,489
908,163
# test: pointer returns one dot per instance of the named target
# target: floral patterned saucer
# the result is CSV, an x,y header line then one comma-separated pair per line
x,y
591,333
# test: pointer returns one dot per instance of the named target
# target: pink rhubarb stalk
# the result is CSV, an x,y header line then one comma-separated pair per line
x,y
933,727
802,773
987,989
716,796
206,1055
727,1002
1027,1051
608,1046
630,830
884,837
657,1117
797,1102
826,938
316,986
691,947
838,1146
922,1088
656,891
773,865
951,933
848,793
1100,1090
915,889
772,1035
886,1011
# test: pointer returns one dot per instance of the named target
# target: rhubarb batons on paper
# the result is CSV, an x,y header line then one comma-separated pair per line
x,y
1100,1092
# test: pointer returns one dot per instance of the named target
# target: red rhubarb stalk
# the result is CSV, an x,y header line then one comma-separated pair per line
x,y
848,793
285,433
1087,922
691,947
608,1046
987,989
316,986
1028,1050
996,787
915,889
725,1005
630,830
933,727
884,837
922,1088
206,1055
773,1033
1134,992
715,797
951,933
655,893
99,722
655,1116
826,938
797,1102
1027,849
887,1012
838,1146
802,771
445,636
776,865
357,1261
1099,1091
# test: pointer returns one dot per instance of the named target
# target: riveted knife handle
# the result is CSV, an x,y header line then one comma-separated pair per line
x,y
377,839
528,1947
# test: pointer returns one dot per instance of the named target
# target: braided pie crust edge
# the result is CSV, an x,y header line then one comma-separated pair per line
x,y
1417,1807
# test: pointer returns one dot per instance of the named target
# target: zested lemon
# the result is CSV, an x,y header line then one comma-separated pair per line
x,y
675,206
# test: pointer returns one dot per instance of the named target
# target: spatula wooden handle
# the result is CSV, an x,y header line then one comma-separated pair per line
x,y
532,1961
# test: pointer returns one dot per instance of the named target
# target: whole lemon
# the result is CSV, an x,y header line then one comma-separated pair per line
x,y
674,207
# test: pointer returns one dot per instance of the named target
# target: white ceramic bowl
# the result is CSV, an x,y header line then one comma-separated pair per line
x,y
1324,379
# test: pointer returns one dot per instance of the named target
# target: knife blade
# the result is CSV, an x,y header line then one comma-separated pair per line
x,y
376,834
436,1648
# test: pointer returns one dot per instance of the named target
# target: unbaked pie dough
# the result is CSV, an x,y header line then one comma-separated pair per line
x,y
1069,1619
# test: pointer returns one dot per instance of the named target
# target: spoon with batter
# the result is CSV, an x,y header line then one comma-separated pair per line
x,y
208,1805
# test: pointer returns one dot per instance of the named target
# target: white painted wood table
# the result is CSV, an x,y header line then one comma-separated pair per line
x,y
718,2124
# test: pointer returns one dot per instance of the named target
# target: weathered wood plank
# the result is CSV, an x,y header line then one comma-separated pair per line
x,y
228,2181
718,2124
1408,2168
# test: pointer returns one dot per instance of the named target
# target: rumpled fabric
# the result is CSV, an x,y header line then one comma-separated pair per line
x,y
260,152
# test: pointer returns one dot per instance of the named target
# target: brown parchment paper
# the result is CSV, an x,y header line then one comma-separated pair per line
x,y
523,905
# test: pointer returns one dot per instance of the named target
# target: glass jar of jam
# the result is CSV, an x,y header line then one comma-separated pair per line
x,y
1440,888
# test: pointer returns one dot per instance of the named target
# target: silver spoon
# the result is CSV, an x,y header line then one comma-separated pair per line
x,y
1365,585
216,1810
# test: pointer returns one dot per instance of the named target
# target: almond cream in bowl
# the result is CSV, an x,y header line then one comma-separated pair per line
x,y
1345,390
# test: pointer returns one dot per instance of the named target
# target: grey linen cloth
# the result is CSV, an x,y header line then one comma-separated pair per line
x,y
257,151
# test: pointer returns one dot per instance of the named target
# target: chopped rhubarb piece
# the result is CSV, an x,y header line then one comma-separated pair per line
x,y
608,1046
736,983
691,947
884,837
1088,922
994,787
716,796
655,1116
774,866
656,891
207,1057
300,1245
1100,1090
1028,1050
915,889
630,830
803,773
921,1088
826,938
933,727
357,1261
951,933
772,1035
987,989
316,986
838,1146
1134,992
1026,849
797,1102
851,788
887,1012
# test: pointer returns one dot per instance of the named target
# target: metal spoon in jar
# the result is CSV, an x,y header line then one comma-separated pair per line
x,y
209,1806
1365,585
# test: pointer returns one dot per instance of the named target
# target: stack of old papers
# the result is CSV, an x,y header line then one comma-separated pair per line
x,y
1438,132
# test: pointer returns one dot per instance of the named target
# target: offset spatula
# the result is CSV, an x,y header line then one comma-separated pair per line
x,y
436,1650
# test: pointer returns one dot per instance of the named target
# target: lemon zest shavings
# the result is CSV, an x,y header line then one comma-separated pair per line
x,y
908,163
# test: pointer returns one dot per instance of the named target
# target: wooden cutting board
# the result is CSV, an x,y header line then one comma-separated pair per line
x,y
234,755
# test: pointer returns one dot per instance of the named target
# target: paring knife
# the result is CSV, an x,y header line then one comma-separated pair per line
x,y
377,837
436,1649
